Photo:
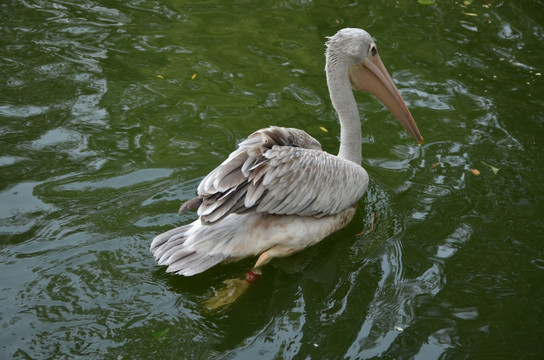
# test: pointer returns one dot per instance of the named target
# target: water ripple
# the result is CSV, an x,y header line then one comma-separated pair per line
x,y
113,112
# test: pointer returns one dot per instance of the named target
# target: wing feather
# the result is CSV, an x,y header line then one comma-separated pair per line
x,y
280,171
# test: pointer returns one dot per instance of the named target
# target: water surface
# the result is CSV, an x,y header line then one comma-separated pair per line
x,y
112,112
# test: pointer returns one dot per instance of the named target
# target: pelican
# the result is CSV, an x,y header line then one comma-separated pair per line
x,y
279,192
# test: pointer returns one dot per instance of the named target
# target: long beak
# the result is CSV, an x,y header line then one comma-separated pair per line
x,y
372,76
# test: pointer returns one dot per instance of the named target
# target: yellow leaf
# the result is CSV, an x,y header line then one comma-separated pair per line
x,y
494,169
160,76
323,129
193,77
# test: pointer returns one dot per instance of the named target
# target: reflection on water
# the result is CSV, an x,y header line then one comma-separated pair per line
x,y
113,112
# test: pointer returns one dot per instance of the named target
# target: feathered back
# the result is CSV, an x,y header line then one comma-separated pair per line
x,y
279,171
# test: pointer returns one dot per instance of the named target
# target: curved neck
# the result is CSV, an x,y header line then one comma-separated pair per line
x,y
345,105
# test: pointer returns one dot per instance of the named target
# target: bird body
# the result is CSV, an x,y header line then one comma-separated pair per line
x,y
194,248
279,192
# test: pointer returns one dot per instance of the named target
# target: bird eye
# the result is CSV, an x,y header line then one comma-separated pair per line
x,y
373,50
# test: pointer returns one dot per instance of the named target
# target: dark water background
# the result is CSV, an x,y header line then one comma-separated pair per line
x,y
104,130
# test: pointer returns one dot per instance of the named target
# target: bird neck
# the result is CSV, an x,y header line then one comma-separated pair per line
x,y
345,105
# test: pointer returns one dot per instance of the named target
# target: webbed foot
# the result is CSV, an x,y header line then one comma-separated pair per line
x,y
231,292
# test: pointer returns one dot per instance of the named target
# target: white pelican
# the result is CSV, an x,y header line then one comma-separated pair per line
x,y
279,193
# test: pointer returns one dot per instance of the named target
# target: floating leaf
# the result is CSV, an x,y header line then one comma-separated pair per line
x,y
475,171
467,2
160,76
193,77
323,129
399,328
436,164
470,14
160,337
426,2
494,169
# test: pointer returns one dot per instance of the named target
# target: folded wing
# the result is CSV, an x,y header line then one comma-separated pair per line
x,y
279,171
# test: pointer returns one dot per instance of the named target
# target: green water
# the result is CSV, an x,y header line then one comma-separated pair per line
x,y
105,130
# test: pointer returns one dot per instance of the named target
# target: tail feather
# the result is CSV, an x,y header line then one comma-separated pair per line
x,y
160,240
173,249
193,264
163,253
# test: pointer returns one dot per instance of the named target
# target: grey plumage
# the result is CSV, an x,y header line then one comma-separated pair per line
x,y
279,192
280,171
